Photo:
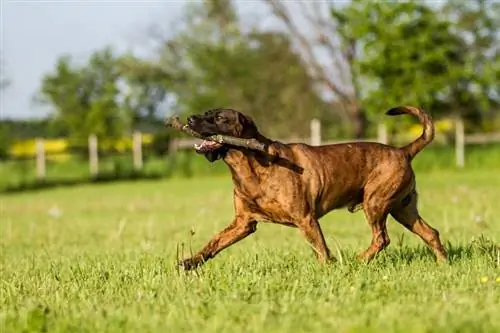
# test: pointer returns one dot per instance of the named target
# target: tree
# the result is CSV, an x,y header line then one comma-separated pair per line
x,y
407,58
416,56
86,99
369,55
211,62
329,56
477,22
147,84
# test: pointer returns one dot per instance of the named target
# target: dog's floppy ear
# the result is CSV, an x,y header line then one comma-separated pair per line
x,y
247,126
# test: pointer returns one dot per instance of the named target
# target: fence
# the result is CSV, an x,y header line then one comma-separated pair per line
x,y
315,139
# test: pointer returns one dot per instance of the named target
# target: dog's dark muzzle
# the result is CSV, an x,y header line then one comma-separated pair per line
x,y
200,126
206,146
192,121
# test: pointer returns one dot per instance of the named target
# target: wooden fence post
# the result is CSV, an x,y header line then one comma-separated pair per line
x,y
459,142
173,146
315,132
137,150
382,133
93,155
40,159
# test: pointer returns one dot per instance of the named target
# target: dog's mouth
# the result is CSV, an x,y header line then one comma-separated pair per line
x,y
207,146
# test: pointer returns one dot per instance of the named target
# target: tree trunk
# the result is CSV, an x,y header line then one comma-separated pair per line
x,y
359,123
357,119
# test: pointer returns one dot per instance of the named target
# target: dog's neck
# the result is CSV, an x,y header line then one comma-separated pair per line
x,y
256,163
243,160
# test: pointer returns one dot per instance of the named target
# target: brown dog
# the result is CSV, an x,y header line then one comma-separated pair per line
x,y
296,184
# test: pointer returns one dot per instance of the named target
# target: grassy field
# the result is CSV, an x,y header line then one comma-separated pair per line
x,y
20,175
100,258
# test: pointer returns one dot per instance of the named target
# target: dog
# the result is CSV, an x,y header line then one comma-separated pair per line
x,y
296,184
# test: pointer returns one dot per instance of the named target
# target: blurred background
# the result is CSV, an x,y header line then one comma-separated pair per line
x,y
85,86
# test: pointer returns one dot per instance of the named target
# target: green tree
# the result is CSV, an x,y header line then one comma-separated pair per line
x,y
146,87
329,57
5,140
408,52
370,55
477,22
87,99
211,63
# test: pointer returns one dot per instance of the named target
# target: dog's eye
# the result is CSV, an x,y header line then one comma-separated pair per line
x,y
218,118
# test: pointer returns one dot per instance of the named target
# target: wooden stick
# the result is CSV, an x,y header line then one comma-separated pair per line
x,y
175,123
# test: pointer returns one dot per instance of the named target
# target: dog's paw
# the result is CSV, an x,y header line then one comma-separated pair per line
x,y
190,263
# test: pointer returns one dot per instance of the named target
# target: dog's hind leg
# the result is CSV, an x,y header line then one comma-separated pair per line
x,y
311,230
406,213
236,231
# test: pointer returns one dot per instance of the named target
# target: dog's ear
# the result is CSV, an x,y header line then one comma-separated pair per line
x,y
211,156
247,128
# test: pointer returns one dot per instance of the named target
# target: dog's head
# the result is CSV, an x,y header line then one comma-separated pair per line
x,y
221,121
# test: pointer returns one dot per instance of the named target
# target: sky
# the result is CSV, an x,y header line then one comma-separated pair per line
x,y
35,33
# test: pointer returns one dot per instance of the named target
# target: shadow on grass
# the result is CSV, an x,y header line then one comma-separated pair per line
x,y
479,247
64,182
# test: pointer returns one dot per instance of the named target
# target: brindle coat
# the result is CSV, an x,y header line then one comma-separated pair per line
x,y
296,184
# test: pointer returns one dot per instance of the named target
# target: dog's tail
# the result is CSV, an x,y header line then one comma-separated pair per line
x,y
427,136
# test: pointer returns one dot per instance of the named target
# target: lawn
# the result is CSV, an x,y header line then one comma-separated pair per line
x,y
101,258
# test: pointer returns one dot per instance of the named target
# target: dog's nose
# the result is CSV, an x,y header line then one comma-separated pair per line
x,y
191,120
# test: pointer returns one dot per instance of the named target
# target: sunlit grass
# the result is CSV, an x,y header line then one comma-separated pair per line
x,y
101,258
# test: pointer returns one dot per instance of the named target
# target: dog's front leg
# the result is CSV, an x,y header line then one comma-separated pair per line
x,y
236,231
311,229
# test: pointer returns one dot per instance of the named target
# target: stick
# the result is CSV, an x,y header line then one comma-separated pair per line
x,y
175,123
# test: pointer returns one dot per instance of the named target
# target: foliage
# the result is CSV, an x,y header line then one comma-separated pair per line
x,y
61,146
329,66
86,99
5,141
16,130
477,22
420,56
147,85
444,58
211,63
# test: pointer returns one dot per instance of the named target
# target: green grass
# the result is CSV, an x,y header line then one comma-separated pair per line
x,y
21,174
100,258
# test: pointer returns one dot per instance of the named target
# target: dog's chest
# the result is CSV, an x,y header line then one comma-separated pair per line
x,y
269,199
268,192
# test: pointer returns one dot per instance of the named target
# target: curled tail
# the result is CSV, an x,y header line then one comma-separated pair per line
x,y
413,148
